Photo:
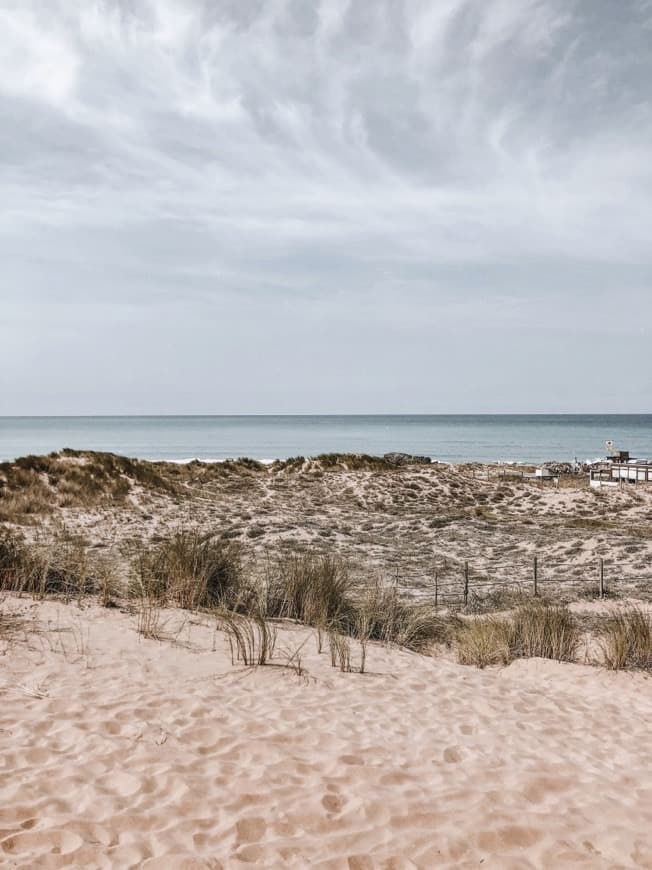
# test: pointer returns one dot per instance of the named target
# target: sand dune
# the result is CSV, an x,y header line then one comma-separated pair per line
x,y
122,752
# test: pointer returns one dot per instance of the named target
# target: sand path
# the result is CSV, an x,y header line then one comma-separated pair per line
x,y
117,751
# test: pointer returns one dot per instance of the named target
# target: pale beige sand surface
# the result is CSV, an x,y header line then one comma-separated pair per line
x,y
117,751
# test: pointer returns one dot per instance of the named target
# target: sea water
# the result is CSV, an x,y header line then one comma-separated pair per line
x,y
447,437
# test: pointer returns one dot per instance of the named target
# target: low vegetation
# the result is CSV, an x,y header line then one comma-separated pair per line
x,y
545,630
34,485
251,638
313,589
487,640
536,629
627,640
192,570
62,568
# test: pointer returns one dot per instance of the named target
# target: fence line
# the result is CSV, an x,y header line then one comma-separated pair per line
x,y
456,582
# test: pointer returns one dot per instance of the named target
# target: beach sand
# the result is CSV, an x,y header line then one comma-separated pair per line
x,y
117,751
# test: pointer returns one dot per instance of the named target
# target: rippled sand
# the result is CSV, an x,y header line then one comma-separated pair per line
x,y
117,751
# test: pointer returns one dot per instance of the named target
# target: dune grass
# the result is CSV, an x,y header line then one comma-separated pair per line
x,y
626,640
190,570
199,571
381,614
62,567
251,637
33,485
485,641
545,630
537,629
310,588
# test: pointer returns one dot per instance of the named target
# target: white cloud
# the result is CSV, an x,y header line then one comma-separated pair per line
x,y
35,62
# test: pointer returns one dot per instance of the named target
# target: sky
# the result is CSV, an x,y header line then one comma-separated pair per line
x,y
337,206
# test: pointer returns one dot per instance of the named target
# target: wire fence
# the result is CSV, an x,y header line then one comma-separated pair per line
x,y
465,583
456,583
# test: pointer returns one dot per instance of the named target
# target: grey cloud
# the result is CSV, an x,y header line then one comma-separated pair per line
x,y
382,169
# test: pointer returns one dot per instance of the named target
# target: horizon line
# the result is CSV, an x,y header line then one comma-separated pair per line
x,y
173,414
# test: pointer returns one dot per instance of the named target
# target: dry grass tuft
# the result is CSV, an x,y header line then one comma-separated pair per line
x,y
190,570
536,629
313,589
485,641
340,649
251,637
545,630
61,568
627,640
149,621
380,614
15,561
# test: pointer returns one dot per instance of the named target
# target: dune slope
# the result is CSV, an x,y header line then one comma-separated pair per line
x,y
116,751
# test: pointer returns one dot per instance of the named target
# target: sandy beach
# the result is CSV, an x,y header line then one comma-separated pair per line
x,y
118,751
131,735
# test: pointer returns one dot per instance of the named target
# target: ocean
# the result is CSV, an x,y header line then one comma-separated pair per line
x,y
447,437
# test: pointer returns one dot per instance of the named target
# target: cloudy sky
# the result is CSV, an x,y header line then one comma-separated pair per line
x,y
325,205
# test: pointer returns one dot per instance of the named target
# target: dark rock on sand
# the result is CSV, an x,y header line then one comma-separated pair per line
x,y
406,459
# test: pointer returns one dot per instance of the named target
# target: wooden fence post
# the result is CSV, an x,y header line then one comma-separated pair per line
x,y
601,578
535,576
466,583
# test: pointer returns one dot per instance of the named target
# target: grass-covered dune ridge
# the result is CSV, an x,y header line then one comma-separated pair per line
x,y
205,573
422,523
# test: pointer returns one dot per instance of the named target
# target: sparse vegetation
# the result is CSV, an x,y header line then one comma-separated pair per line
x,y
148,618
313,589
59,568
627,640
39,484
485,641
381,615
251,637
340,650
316,569
545,630
535,629
190,570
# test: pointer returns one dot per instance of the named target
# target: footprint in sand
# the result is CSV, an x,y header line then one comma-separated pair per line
x,y
333,803
180,862
360,862
452,754
509,837
250,830
542,788
351,759
37,843
249,854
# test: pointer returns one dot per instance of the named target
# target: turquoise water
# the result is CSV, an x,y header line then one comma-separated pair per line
x,y
452,438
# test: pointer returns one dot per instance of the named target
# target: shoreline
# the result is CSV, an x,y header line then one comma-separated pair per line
x,y
266,460
531,439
